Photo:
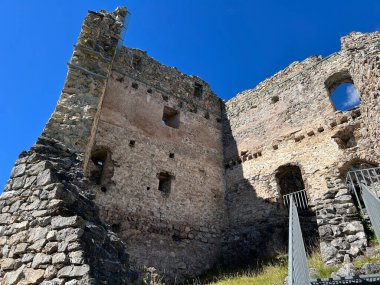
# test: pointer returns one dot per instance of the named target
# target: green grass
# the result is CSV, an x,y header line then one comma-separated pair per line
x,y
270,274
360,261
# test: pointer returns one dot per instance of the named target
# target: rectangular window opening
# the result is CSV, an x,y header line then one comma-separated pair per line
x,y
170,117
165,181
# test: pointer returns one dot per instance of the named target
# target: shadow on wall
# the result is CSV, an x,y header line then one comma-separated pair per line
x,y
258,227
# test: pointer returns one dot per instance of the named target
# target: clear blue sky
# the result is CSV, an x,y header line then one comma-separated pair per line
x,y
232,44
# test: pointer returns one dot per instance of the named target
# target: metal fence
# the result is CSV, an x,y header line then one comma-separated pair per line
x,y
298,271
361,279
369,177
300,199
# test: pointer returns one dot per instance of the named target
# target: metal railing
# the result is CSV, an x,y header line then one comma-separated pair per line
x,y
298,271
372,204
356,179
300,199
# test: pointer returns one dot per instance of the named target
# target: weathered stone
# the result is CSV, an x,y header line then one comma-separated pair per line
x,y
69,235
64,222
40,259
18,170
7,263
73,271
50,272
55,281
51,247
45,177
13,277
20,248
59,258
370,268
76,257
345,271
353,228
328,252
38,245
28,257
33,276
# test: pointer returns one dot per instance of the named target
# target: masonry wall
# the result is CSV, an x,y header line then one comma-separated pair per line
x,y
178,233
49,225
289,120
85,204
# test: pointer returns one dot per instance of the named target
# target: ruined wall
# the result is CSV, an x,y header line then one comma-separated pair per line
x,y
75,118
139,158
365,67
289,120
179,233
49,225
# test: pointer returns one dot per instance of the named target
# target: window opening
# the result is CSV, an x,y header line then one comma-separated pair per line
x,y
170,117
165,181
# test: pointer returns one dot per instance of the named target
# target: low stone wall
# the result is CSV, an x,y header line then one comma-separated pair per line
x,y
340,229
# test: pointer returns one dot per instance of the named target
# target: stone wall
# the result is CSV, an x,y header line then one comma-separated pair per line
x,y
140,158
49,225
75,117
178,233
289,120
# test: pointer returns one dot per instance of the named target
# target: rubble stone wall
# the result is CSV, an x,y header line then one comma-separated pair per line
x,y
49,225
75,117
289,120
143,161
179,233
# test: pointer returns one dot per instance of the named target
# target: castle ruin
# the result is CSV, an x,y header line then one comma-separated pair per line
x,y
142,165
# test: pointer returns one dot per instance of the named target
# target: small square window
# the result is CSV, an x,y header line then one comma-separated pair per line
x,y
198,90
165,182
170,117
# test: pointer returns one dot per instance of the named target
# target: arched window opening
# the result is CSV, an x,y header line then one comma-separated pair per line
x,y
342,91
289,179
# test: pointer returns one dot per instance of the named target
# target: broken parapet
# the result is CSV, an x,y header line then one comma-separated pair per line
x,y
75,117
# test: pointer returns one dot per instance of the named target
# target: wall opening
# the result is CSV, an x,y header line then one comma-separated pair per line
x,y
164,182
198,90
289,179
100,168
342,91
98,159
170,117
345,138
275,99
